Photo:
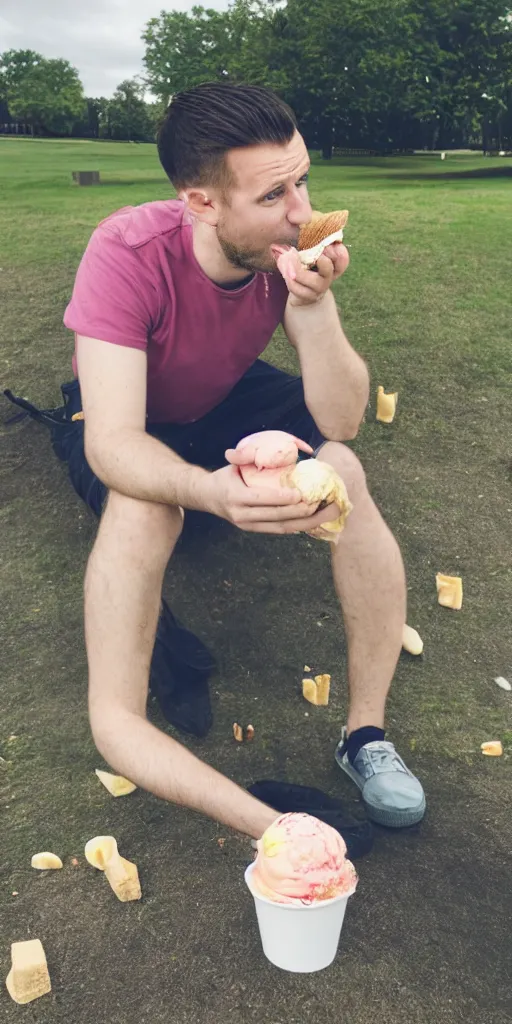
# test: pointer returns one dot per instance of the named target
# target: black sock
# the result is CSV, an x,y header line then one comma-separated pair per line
x,y
358,738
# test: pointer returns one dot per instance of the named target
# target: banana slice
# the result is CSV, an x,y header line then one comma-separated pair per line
x,y
411,641
123,877
492,748
117,785
46,861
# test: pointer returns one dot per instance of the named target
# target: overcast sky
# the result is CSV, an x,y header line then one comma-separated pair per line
x,y
101,38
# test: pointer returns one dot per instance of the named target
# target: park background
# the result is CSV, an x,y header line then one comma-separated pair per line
x,y
385,75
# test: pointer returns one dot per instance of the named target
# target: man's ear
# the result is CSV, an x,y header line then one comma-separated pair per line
x,y
203,205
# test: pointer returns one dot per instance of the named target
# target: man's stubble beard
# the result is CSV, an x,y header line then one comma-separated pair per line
x,y
243,258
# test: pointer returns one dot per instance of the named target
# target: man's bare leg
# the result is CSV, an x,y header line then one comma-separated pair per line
x,y
123,586
370,582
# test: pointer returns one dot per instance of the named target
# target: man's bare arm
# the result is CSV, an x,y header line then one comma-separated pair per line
x,y
117,447
159,764
335,377
131,462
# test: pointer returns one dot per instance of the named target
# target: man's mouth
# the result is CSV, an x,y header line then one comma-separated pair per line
x,y
277,250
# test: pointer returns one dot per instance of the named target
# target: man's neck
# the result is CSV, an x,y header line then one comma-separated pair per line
x,y
212,260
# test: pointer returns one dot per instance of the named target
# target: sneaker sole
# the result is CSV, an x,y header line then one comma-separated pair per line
x,y
389,818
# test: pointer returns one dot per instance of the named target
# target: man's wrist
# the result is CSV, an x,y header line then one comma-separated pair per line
x,y
302,323
191,485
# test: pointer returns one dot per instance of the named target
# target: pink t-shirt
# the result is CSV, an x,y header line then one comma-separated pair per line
x,y
140,285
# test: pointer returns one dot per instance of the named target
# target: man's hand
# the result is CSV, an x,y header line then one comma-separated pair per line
x,y
260,509
307,287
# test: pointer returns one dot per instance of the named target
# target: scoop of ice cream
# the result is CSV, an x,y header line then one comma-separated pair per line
x,y
269,449
270,458
302,860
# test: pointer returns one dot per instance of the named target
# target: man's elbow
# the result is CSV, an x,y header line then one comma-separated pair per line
x,y
347,428
109,724
344,432
93,454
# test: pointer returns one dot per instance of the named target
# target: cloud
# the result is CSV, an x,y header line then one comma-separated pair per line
x,y
101,38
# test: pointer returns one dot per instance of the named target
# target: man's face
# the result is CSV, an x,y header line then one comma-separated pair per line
x,y
267,204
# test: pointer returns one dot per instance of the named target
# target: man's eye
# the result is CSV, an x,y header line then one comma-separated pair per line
x,y
279,191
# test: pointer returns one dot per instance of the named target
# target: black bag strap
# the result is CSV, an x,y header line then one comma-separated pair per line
x,y
50,417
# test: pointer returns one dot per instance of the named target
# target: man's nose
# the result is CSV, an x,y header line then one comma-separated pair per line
x,y
299,209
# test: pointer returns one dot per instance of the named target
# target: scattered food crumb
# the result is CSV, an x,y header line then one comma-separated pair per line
x,y
15,893
449,591
503,683
316,690
306,668
237,732
117,785
74,861
28,978
249,733
492,748
386,405
221,842
123,877
412,744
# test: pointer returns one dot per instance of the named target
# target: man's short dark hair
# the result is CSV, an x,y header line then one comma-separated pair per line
x,y
202,124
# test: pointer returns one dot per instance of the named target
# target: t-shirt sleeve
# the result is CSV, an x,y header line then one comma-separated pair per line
x,y
112,299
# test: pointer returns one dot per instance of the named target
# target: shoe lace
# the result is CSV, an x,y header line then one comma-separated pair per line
x,y
385,758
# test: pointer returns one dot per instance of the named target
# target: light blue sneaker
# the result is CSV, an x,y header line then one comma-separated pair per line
x,y
392,795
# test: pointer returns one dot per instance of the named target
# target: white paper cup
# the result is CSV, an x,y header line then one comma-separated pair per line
x,y
299,938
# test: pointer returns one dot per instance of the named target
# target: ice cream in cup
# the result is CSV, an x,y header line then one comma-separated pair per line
x,y
301,881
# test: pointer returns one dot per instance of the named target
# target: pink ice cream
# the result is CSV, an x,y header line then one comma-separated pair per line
x,y
262,457
302,860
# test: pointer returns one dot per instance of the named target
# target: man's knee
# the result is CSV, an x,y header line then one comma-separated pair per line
x,y
147,525
343,460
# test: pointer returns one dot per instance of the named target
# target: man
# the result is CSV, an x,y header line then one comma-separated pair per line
x,y
173,304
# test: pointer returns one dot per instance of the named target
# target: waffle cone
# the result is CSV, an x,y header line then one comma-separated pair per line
x,y
320,226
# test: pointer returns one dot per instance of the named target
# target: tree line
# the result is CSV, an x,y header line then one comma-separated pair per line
x,y
48,97
383,75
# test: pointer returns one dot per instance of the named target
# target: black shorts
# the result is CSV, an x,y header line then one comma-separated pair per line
x,y
264,399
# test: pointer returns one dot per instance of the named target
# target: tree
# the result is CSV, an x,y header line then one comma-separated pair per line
x,y
127,115
94,115
376,73
46,94
185,49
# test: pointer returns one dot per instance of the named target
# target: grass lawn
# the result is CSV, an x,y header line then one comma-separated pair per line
x,y
426,301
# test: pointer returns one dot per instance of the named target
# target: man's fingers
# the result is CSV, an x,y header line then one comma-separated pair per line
x,y
277,520
326,515
240,457
256,497
281,513
324,265
302,445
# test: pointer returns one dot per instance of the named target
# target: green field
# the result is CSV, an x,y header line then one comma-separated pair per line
x,y
426,301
